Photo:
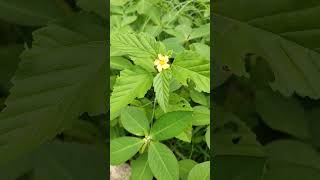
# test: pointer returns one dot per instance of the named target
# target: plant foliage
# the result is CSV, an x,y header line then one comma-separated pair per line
x,y
160,88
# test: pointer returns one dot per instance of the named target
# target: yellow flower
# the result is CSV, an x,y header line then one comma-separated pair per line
x,y
162,62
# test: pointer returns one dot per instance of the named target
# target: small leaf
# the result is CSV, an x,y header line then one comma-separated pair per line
x,y
198,97
162,162
200,171
161,88
132,83
170,125
123,148
201,116
140,168
185,166
190,65
135,121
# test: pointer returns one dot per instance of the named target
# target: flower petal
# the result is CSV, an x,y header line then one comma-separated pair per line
x,y
156,62
166,58
159,67
165,66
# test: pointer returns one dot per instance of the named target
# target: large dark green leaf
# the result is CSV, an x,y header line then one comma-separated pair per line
x,y
285,33
53,84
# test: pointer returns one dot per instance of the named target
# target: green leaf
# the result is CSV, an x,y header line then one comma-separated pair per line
x,y
185,166
97,6
33,13
170,125
174,44
123,148
132,83
118,2
198,97
162,162
135,121
119,63
70,161
176,103
44,100
199,32
201,116
188,65
140,169
186,135
202,49
301,162
282,33
161,88
283,114
200,171
207,136
142,48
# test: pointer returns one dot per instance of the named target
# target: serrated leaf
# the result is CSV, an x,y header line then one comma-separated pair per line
x,y
142,48
33,13
201,116
282,33
185,166
44,100
140,168
189,65
162,162
161,88
200,171
132,83
170,125
134,120
123,148
97,6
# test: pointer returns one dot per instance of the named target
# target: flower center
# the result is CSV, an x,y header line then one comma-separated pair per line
x,y
162,62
